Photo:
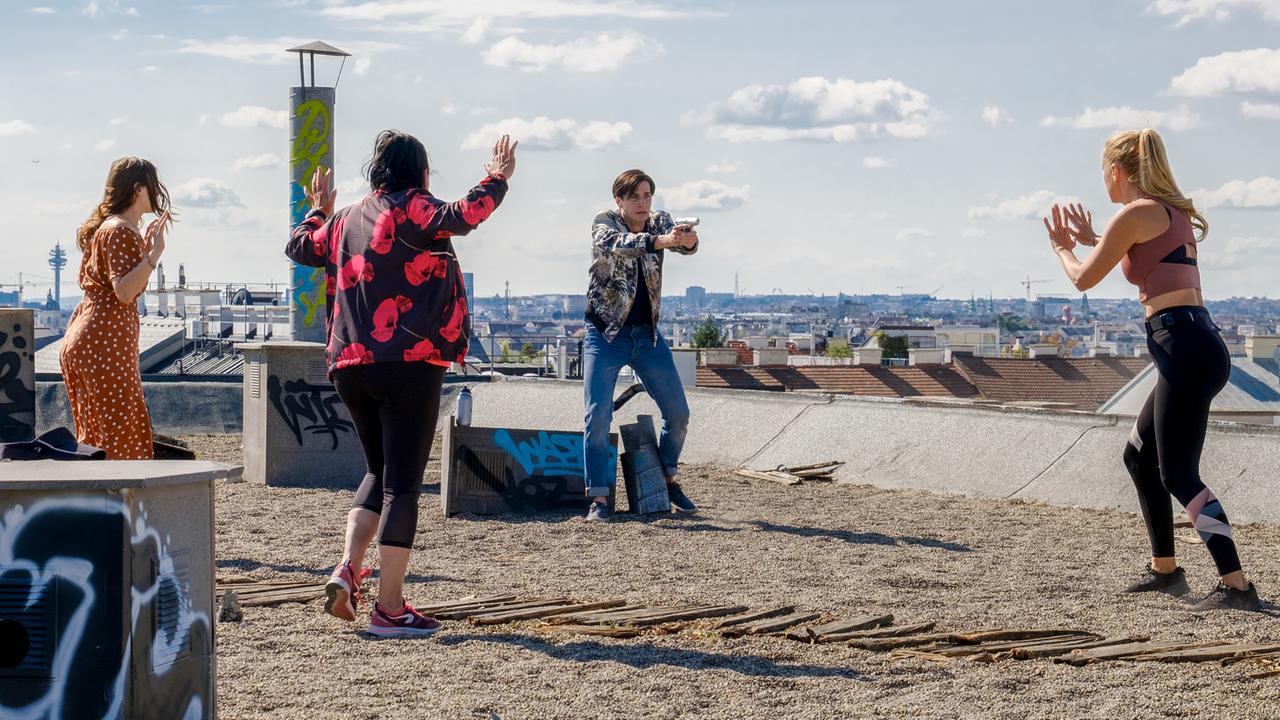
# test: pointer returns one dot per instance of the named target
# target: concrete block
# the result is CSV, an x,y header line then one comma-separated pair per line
x,y
642,471
297,432
17,375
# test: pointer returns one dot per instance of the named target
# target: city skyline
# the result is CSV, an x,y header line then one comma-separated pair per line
x,y
874,148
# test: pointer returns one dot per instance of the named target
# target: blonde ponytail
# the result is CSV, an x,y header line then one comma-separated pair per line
x,y
1142,156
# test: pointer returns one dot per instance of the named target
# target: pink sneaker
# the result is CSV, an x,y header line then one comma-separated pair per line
x,y
342,592
410,623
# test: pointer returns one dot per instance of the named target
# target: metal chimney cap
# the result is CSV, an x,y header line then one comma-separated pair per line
x,y
319,47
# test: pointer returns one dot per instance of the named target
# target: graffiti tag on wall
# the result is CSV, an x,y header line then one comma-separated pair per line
x,y
308,408
17,399
57,556
311,145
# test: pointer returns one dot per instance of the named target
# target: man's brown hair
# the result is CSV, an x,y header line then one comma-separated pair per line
x,y
629,181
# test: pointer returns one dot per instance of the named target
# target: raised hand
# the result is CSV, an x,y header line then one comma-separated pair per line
x,y
321,193
153,241
1059,235
1080,224
503,161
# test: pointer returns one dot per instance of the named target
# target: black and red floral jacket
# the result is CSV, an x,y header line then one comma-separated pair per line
x,y
395,290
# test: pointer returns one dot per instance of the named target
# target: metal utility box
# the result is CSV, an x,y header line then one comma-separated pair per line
x,y
106,589
297,432
491,471
642,471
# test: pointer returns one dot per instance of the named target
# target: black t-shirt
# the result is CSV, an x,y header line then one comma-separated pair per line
x,y
641,308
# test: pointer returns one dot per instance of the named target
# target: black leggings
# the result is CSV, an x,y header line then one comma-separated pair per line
x,y
394,407
1163,453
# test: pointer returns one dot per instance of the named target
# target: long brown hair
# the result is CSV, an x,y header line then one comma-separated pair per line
x,y
125,175
1142,156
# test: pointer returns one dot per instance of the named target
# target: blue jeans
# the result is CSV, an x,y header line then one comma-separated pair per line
x,y
648,354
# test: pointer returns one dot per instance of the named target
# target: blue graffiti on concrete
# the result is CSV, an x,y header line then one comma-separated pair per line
x,y
545,453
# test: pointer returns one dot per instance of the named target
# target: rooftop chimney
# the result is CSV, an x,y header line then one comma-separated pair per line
x,y
1261,347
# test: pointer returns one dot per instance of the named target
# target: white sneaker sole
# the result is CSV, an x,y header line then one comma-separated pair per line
x,y
338,600
400,632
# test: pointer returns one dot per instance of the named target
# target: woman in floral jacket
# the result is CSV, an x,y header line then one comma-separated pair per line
x,y
397,317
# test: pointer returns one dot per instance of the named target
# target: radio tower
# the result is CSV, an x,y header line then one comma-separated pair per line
x,y
57,261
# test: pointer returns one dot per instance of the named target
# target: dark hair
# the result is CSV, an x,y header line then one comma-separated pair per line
x,y
123,179
398,161
629,181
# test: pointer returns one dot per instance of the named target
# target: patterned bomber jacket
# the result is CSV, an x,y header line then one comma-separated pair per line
x,y
615,251
395,290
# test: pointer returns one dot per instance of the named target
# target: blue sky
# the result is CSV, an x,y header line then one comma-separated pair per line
x,y
828,146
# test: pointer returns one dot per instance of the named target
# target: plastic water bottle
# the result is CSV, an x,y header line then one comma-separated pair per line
x,y
463,415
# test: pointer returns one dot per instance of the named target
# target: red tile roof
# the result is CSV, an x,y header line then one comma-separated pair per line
x,y
1084,383
875,380
745,355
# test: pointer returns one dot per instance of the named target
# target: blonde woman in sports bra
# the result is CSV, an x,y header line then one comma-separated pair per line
x,y
1154,238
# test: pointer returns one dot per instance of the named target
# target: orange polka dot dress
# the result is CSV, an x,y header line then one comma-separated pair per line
x,y
100,352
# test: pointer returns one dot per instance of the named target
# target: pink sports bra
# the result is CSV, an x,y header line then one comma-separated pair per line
x,y
1161,264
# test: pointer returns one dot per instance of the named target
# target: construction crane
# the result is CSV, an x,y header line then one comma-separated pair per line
x,y
1028,283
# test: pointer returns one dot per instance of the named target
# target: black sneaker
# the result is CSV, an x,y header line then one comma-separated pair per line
x,y
1174,583
679,501
599,512
1224,597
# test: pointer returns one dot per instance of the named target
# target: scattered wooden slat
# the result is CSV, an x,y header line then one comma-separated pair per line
x,y
770,476
1130,650
605,630
499,618
1056,649
1263,674
752,617
698,614
769,625
893,643
279,597
466,603
907,654
1203,654
1260,657
886,632
1010,645
998,635
624,615
866,622
464,614
594,617
798,469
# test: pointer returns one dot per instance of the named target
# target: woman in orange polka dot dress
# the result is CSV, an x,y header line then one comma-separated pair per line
x,y
100,352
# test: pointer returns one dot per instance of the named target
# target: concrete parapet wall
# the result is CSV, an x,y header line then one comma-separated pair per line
x,y
177,408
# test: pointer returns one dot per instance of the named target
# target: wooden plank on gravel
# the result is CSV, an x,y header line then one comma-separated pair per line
x,y
706,612
623,614
797,469
1055,649
594,616
281,597
771,477
604,630
999,635
893,643
259,585
1261,657
752,617
464,614
1121,652
499,618
866,622
466,604
1205,654
885,632
770,625
1010,645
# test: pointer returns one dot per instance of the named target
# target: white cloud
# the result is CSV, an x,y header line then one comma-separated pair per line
x,y
120,34
475,34
204,118
434,15
449,109
258,162
15,127
1241,253
995,116
913,234
151,69
104,144
705,195
111,7
814,108
1125,117
874,162
973,233
42,11
270,52
1027,207
598,53
1240,71
1261,193
255,116
206,194
118,121
362,65
1265,111
543,133
1187,11
355,186
722,168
